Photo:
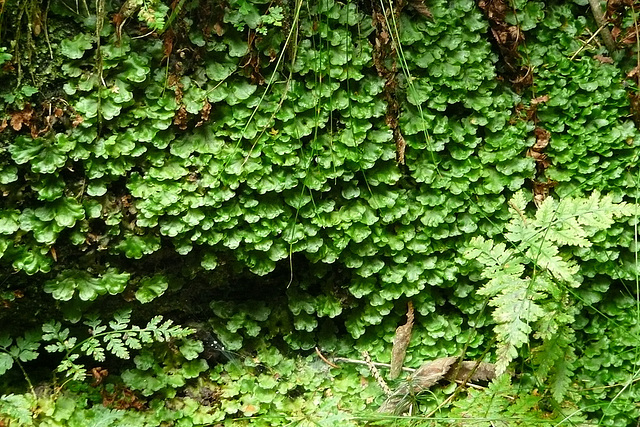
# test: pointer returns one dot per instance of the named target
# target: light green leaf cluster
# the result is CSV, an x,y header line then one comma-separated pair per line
x,y
151,288
117,337
154,14
530,276
88,287
504,401
260,140
17,407
23,349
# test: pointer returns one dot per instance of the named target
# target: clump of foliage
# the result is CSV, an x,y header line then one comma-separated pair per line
x,y
542,302
341,158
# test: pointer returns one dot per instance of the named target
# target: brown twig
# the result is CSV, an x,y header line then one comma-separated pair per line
x,y
325,360
362,362
600,20
593,36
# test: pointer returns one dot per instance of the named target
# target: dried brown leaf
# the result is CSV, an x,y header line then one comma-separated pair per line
x,y
219,29
77,120
541,190
422,379
181,118
430,373
205,112
469,370
603,59
539,99
20,118
629,37
542,139
401,342
421,8
167,44
615,32
401,146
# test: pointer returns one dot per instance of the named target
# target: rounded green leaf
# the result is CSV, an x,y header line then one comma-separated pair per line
x,y
151,288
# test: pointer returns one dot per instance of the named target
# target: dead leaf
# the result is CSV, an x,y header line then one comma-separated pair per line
x,y
118,22
472,371
401,339
542,139
98,375
634,100
181,118
401,146
219,29
20,118
429,374
204,113
77,120
630,37
421,8
539,99
615,32
603,59
167,44
541,190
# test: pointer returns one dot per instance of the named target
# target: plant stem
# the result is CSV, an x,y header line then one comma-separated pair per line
x,y
26,377
602,23
362,362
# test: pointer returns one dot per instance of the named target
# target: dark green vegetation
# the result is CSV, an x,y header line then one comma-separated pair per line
x,y
290,175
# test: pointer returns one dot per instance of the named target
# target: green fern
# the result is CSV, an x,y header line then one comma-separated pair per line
x,y
118,338
528,283
16,407
504,404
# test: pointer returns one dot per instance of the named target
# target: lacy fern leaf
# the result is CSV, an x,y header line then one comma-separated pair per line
x,y
527,283
118,338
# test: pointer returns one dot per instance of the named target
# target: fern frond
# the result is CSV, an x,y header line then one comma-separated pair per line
x,y
561,379
546,257
570,232
527,282
116,346
514,314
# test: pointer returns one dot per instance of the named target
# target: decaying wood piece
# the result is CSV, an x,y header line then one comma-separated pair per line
x,y
401,343
607,38
446,368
